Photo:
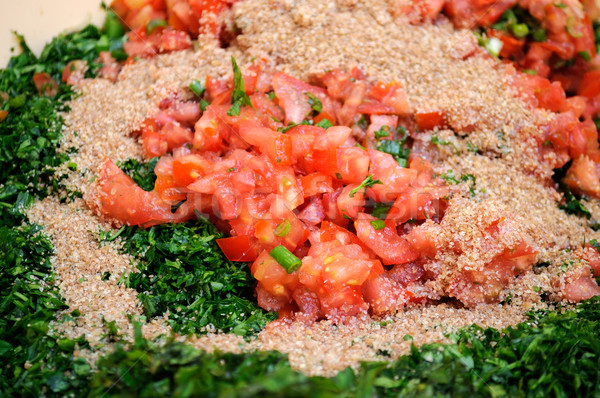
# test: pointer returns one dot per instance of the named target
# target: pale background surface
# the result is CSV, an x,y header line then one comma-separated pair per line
x,y
40,20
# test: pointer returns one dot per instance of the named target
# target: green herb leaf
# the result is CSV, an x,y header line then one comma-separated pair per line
x,y
368,182
238,96
314,102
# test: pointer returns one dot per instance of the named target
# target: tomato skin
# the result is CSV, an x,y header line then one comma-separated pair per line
x,y
391,248
392,96
238,248
154,144
117,196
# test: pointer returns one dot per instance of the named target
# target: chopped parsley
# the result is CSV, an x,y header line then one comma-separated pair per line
x,y
314,102
573,205
368,182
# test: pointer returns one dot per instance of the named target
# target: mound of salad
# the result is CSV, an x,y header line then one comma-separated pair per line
x,y
264,201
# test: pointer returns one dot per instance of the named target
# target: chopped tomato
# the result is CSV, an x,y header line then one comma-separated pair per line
x,y
385,242
238,248
431,120
45,84
472,13
119,197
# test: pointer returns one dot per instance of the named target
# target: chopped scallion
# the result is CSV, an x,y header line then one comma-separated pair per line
x,y
197,87
283,229
520,30
378,224
286,259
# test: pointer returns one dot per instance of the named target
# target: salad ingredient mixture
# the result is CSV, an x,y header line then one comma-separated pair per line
x,y
494,199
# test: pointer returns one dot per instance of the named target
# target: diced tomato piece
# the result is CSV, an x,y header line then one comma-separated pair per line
x,y
314,213
238,248
45,84
431,120
333,137
292,96
279,149
341,304
391,95
273,277
188,169
176,135
348,205
166,189
74,72
386,122
582,177
472,13
117,196
389,246
308,305
394,178
590,84
384,295
582,288
316,183
512,48
174,40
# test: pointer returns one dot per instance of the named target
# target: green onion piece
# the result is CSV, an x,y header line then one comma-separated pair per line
x,y
155,23
286,259
384,131
203,104
378,224
119,54
494,46
283,229
532,72
570,28
520,30
197,87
